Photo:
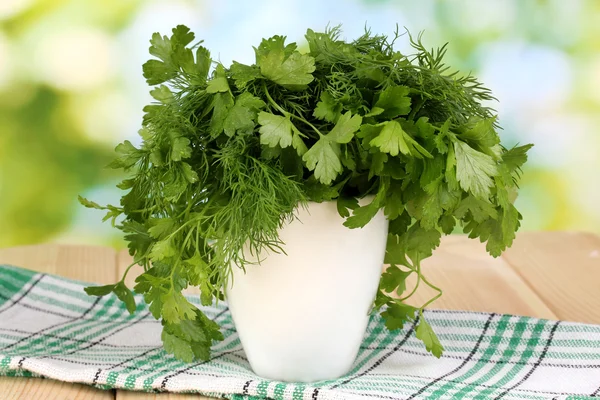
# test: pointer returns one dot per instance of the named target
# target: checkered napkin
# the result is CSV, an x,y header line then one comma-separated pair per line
x,y
49,327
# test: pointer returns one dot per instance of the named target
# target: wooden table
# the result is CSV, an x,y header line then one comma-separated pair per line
x,y
553,275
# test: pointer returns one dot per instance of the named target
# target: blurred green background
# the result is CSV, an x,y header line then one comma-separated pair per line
x,y
71,88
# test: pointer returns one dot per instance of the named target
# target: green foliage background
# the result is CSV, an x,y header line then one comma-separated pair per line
x,y
71,89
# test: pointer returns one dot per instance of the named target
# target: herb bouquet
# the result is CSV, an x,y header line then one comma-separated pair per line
x,y
230,154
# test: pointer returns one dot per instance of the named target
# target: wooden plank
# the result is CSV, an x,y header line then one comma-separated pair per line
x,y
47,389
88,263
38,257
123,261
127,395
563,268
473,280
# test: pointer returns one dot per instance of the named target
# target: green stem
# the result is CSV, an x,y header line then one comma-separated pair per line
x,y
434,288
414,289
431,300
127,271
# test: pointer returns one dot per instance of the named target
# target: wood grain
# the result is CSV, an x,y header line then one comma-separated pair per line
x,y
126,395
88,263
563,268
47,389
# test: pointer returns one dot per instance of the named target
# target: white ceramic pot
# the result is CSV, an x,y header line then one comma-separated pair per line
x,y
302,316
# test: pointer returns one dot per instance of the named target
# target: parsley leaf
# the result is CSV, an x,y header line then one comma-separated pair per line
x,y
428,336
242,116
327,108
324,159
284,66
394,140
275,130
397,314
474,170
394,101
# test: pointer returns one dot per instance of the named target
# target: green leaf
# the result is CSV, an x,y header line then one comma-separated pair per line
x,y
391,139
378,161
318,192
375,111
90,204
432,208
474,170
450,173
219,83
499,233
395,249
181,349
162,249
190,175
154,298
242,116
160,228
397,314
480,132
180,148
394,140
157,72
394,279
478,209
298,143
162,94
161,47
275,130
421,242
99,290
444,138
394,206
516,157
289,69
328,109
176,308
189,330
203,62
395,101
324,158
346,203
361,216
182,35
125,295
447,223
425,333
399,225
344,129
127,156
222,103
243,74
425,129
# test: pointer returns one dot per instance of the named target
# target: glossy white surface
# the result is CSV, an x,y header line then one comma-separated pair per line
x,y
302,316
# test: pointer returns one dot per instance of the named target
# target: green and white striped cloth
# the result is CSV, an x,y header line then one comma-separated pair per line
x,y
49,327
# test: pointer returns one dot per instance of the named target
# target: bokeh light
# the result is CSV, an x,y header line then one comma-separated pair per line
x,y
71,88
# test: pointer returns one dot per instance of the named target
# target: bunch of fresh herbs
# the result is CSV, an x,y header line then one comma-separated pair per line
x,y
228,154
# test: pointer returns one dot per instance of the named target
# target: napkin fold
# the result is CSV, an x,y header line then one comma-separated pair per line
x,y
49,327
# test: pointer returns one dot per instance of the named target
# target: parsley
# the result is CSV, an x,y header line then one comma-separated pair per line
x,y
228,154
